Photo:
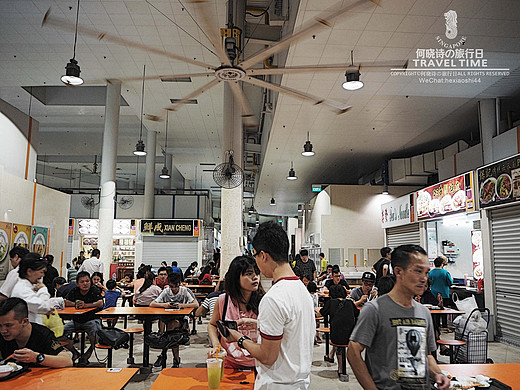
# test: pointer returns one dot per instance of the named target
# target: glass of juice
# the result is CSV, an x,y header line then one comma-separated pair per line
x,y
213,368
221,355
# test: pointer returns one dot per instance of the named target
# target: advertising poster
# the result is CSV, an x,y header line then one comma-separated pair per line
x,y
499,183
476,249
5,241
21,235
39,237
448,197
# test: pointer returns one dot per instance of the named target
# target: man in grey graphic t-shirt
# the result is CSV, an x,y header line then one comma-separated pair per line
x,y
397,332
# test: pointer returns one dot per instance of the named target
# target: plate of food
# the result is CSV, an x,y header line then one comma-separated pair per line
x,y
446,204
423,202
487,191
503,187
11,369
459,200
4,245
435,206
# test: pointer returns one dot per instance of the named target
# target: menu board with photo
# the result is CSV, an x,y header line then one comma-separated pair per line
x,y
499,182
5,241
21,235
448,197
39,240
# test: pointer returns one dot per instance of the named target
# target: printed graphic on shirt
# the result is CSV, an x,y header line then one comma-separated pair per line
x,y
411,350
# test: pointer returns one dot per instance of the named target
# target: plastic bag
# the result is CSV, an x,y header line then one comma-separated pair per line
x,y
54,323
474,324
467,305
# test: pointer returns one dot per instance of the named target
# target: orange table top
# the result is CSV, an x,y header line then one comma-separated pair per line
x,y
81,378
196,379
68,310
446,311
505,372
144,311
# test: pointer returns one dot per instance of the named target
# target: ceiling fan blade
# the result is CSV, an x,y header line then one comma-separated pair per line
x,y
210,29
381,66
168,78
299,69
336,106
64,24
319,22
192,95
247,113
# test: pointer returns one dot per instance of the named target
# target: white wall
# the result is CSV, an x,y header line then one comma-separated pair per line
x,y
14,129
350,216
50,209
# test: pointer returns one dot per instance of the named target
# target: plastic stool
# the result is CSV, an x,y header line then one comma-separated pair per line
x,y
109,348
451,344
82,344
131,332
108,319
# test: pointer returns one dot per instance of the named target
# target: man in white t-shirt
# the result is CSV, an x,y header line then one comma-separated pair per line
x,y
286,321
16,255
93,264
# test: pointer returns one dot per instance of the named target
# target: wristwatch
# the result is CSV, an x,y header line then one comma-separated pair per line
x,y
40,358
240,341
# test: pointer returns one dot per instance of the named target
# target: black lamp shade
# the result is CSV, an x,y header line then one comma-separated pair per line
x,y
164,173
307,149
292,175
72,71
139,148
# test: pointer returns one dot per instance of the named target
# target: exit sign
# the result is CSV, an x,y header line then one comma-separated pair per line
x,y
316,188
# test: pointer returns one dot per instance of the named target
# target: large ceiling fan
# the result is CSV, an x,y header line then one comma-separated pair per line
x,y
232,71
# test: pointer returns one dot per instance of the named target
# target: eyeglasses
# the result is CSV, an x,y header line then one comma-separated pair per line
x,y
163,274
256,254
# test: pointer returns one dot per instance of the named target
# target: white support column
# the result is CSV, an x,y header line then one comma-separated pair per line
x,y
488,129
231,199
108,174
149,180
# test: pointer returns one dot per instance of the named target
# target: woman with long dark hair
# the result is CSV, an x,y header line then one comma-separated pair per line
x,y
147,292
30,287
241,299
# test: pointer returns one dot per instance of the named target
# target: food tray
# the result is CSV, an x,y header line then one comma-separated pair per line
x,y
13,374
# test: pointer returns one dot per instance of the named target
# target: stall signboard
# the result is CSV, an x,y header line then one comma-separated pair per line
x,y
21,235
39,237
448,197
5,243
396,212
499,183
122,227
170,227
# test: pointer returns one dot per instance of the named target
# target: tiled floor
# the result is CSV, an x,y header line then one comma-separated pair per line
x,y
323,375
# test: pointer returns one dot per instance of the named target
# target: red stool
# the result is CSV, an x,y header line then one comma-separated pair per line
x,y
326,331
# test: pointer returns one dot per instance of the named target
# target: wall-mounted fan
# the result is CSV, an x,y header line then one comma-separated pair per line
x,y
230,69
228,174
126,202
89,202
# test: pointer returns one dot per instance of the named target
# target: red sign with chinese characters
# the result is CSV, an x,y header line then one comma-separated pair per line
x,y
448,197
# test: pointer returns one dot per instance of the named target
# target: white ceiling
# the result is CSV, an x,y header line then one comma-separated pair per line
x,y
392,116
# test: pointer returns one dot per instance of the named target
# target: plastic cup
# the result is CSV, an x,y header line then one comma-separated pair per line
x,y
222,357
213,368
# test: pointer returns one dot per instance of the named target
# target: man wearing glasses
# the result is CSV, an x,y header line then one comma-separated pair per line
x,y
285,321
336,279
366,292
162,277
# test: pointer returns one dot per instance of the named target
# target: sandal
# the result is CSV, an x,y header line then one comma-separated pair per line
x,y
328,359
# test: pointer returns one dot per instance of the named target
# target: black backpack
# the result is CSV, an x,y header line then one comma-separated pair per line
x,y
343,321
113,337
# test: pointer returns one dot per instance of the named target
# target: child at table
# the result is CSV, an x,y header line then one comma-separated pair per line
x,y
111,297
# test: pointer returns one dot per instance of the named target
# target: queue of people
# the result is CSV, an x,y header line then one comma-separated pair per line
x,y
273,333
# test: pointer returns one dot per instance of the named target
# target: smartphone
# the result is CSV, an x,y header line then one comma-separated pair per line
x,y
223,329
231,325
114,370
173,304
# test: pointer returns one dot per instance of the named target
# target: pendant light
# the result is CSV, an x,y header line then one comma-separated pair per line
x,y
307,148
352,82
251,210
72,70
273,202
292,173
139,147
165,174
